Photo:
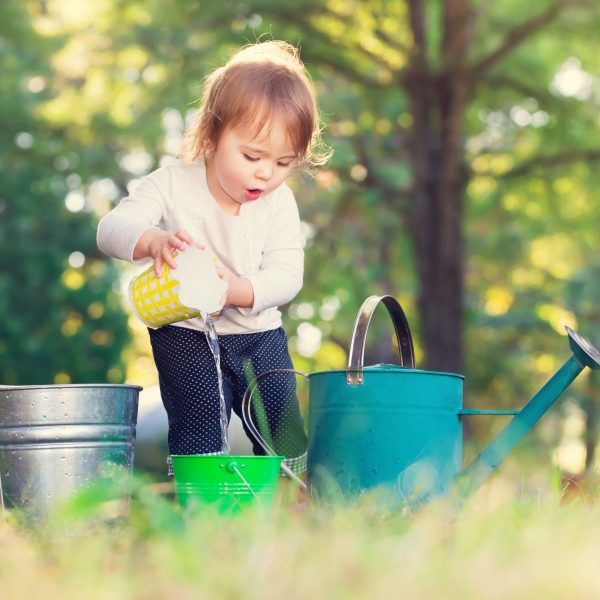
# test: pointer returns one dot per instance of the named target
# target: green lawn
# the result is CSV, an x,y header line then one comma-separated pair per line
x,y
525,547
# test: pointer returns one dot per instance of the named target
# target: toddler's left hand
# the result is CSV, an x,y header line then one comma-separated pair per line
x,y
239,293
227,276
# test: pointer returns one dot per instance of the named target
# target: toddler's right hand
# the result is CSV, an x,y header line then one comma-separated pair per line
x,y
160,245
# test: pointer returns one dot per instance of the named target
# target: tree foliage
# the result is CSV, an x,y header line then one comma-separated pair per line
x,y
60,323
496,103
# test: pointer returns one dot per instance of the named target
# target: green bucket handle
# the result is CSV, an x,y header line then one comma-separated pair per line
x,y
231,466
247,416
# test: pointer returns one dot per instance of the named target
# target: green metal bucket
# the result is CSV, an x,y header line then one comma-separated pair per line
x,y
232,483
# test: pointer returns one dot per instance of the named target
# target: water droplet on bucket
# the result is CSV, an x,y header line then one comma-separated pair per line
x,y
396,462
375,470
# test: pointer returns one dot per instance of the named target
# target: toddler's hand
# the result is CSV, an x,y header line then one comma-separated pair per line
x,y
239,293
227,276
160,246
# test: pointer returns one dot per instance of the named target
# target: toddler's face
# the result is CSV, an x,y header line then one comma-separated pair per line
x,y
246,166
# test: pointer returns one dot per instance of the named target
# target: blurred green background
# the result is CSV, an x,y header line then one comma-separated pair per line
x,y
489,110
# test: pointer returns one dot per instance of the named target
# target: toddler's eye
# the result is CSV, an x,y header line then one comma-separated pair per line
x,y
284,164
250,158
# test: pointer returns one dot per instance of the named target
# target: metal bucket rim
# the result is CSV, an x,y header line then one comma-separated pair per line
x,y
400,370
4,388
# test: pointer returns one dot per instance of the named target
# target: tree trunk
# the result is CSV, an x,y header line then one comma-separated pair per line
x,y
438,102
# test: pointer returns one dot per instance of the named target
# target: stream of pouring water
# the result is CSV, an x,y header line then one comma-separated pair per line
x,y
213,344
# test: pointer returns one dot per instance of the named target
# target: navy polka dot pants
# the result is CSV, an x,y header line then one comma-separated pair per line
x,y
189,390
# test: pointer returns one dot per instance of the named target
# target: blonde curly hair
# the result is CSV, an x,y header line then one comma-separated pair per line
x,y
262,84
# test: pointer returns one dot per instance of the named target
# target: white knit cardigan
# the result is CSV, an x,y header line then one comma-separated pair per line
x,y
263,243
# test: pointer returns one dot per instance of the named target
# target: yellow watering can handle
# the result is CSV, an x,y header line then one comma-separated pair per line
x,y
354,373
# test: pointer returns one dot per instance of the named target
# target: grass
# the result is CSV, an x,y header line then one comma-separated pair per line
x,y
526,547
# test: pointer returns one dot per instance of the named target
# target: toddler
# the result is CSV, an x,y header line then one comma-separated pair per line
x,y
257,121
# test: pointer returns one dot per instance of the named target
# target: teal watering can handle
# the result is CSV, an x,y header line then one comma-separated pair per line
x,y
354,373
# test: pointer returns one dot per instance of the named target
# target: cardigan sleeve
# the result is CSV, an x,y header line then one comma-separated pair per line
x,y
281,274
120,230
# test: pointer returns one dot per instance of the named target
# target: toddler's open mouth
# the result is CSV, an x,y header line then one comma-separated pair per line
x,y
253,194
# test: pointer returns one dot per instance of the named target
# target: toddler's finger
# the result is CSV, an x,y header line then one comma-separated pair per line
x,y
199,245
166,256
176,243
158,266
183,235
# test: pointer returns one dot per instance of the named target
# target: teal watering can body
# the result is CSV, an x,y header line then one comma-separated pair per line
x,y
400,429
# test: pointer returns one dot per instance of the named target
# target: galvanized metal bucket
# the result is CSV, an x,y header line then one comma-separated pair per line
x,y
57,440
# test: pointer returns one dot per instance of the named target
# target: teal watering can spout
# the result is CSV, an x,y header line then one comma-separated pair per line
x,y
475,474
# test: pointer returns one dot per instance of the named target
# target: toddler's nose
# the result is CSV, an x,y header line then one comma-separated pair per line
x,y
264,172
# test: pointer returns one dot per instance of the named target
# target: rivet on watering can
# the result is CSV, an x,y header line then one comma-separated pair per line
x,y
243,466
222,466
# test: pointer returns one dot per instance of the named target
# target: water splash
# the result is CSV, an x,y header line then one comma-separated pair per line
x,y
213,344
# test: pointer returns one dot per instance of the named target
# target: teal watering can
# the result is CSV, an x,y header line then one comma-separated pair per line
x,y
400,429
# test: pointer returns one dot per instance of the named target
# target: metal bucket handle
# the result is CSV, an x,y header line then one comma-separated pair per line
x,y
247,416
354,373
